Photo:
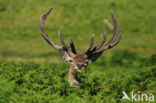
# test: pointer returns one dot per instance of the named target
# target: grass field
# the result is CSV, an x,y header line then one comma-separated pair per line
x,y
31,71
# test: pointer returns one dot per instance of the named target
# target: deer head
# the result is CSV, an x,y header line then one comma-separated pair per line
x,y
81,60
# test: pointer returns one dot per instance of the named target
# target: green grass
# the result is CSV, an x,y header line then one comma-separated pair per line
x,y
45,83
32,71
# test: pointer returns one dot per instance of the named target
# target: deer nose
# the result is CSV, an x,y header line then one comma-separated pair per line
x,y
79,66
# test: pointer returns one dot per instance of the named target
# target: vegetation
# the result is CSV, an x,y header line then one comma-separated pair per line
x,y
44,82
31,71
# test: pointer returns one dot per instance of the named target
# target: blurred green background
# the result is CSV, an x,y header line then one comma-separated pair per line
x,y
21,40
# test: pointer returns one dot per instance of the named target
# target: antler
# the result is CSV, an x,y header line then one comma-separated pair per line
x,y
72,46
91,44
97,50
45,36
116,37
92,54
65,49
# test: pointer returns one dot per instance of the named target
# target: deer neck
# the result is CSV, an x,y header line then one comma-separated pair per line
x,y
72,76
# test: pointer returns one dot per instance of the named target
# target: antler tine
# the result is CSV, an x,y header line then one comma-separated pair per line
x,y
91,43
117,40
102,42
115,29
72,46
45,36
116,26
62,41
108,24
113,43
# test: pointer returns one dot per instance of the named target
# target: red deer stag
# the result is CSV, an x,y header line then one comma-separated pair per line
x,y
82,59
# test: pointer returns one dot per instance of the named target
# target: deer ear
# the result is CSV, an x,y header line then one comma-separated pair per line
x,y
65,56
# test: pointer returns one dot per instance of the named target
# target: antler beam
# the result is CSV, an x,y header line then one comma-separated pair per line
x,y
116,37
65,47
45,36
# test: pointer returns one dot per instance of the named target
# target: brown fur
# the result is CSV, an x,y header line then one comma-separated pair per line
x,y
80,57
